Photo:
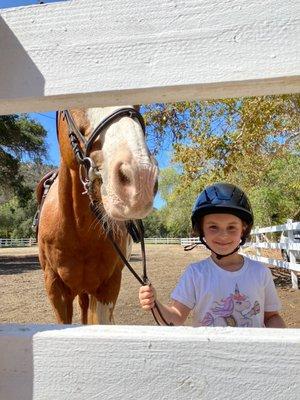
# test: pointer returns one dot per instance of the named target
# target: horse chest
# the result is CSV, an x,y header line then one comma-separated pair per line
x,y
88,271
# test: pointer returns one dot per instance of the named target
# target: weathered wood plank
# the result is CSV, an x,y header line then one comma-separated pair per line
x,y
138,362
84,53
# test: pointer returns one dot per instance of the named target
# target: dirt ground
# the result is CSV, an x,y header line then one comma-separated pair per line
x,y
23,298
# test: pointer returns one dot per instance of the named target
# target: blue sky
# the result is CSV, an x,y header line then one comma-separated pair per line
x,y
18,3
47,119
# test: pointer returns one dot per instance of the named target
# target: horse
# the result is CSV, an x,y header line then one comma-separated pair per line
x,y
104,161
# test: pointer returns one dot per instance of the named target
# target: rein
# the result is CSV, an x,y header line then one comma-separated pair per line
x,y
91,173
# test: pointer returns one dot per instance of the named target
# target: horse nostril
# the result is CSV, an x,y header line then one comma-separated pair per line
x,y
124,175
155,189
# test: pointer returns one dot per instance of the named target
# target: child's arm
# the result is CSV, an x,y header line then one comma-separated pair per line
x,y
175,313
272,319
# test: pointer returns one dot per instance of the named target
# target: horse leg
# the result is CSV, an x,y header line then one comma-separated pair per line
x,y
60,296
83,300
102,305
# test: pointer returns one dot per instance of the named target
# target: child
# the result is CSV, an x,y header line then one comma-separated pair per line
x,y
226,289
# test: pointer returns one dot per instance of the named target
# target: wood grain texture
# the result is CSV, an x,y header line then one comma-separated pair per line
x,y
143,362
87,53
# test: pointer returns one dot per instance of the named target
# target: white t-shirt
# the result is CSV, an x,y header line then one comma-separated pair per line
x,y
222,298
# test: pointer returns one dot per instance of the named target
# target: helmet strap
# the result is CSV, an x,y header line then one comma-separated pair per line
x,y
219,256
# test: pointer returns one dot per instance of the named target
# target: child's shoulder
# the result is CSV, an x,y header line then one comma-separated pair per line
x,y
256,266
199,266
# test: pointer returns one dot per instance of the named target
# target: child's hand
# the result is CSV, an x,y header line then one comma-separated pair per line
x,y
147,297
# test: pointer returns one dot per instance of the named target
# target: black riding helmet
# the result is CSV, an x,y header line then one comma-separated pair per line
x,y
223,198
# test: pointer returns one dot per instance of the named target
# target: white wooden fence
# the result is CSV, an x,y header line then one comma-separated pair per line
x,y
290,247
161,240
22,242
87,53
188,241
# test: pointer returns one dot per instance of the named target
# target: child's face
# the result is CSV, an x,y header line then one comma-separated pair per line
x,y
222,232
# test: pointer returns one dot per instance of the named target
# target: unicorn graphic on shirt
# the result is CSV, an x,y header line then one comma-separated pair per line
x,y
232,311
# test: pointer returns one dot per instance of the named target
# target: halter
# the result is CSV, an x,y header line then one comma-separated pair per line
x,y
82,148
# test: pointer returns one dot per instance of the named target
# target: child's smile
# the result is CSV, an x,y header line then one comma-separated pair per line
x,y
222,232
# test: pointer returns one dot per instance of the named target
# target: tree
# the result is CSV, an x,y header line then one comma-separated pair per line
x,y
15,220
217,139
16,214
250,142
277,198
7,218
154,225
176,215
20,138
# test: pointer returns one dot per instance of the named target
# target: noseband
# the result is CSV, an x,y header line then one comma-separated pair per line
x,y
82,146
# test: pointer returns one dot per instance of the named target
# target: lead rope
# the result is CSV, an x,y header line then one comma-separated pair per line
x,y
145,277
144,280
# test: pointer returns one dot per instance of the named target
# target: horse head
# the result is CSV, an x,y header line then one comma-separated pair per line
x,y
120,172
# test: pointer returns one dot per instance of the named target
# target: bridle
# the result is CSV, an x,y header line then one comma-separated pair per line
x,y
88,173
82,146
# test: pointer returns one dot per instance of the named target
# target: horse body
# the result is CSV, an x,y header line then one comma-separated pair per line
x,y
75,253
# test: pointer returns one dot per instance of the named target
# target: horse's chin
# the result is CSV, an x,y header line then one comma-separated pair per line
x,y
123,212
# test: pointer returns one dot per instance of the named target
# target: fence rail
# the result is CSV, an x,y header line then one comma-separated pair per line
x,y
161,240
189,241
23,242
289,226
261,242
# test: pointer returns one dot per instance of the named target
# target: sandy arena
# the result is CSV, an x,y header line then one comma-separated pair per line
x,y
23,298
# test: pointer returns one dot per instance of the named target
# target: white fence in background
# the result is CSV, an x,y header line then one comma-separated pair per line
x,y
189,241
161,240
291,247
84,53
24,242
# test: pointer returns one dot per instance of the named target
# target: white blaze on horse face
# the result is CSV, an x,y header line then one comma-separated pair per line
x,y
129,173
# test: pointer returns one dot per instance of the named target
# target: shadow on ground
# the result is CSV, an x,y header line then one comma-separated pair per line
x,y
10,265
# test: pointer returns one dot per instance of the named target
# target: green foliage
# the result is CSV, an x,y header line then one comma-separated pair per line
x,y
20,137
15,219
7,211
154,225
17,212
250,142
277,198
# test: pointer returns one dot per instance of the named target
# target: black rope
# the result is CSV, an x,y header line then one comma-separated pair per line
x,y
123,258
144,280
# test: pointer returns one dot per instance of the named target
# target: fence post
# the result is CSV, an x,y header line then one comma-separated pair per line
x,y
258,251
292,257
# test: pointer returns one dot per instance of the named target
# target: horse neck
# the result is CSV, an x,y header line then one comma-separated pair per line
x,y
74,204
